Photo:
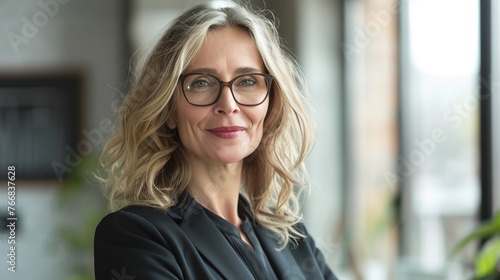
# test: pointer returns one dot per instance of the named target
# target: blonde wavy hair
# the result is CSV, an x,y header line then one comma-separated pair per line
x,y
144,160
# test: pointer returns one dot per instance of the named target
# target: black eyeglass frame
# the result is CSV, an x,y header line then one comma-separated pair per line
x,y
269,80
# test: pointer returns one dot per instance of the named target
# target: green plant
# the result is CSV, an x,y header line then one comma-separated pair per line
x,y
487,262
82,208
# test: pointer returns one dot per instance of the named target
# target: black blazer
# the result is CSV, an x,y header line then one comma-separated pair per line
x,y
140,242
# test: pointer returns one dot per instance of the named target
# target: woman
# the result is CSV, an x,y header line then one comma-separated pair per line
x,y
207,164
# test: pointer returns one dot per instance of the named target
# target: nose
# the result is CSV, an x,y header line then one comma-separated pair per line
x,y
226,104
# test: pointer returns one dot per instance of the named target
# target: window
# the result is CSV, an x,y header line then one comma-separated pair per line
x,y
439,163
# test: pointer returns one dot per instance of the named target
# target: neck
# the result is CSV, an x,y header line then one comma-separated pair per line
x,y
217,187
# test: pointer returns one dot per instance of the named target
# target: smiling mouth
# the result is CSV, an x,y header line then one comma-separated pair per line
x,y
226,132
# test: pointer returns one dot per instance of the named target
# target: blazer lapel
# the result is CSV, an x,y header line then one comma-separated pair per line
x,y
283,262
209,241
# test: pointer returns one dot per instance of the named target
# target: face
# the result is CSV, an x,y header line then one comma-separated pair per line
x,y
224,132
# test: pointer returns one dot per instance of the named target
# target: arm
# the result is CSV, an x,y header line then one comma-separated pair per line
x,y
327,273
127,246
318,256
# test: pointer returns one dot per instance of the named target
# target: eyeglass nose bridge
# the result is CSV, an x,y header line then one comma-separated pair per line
x,y
226,84
230,86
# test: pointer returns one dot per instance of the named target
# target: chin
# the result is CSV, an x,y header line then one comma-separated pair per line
x,y
228,158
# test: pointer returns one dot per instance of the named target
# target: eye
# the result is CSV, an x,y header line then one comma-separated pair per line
x,y
199,83
247,81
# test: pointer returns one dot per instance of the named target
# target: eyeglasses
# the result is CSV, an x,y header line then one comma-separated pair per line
x,y
201,89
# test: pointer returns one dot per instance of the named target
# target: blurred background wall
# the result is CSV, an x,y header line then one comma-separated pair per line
x,y
50,39
400,99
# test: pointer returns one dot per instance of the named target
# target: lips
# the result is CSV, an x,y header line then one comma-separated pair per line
x,y
226,132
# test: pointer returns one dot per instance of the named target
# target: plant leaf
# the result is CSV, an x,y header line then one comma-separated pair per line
x,y
488,257
486,230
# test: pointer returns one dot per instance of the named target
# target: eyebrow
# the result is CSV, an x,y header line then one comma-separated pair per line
x,y
243,70
239,70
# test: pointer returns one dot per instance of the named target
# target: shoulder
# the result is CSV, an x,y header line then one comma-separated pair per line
x,y
307,252
134,214
133,220
146,241
308,242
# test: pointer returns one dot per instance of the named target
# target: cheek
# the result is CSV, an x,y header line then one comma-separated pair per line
x,y
190,119
258,117
185,113
264,110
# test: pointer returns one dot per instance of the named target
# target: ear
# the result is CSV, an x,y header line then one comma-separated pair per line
x,y
171,123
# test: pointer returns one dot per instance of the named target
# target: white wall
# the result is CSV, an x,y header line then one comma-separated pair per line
x,y
318,53
148,21
83,36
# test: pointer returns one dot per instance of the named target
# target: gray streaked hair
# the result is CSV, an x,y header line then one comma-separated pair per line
x,y
144,160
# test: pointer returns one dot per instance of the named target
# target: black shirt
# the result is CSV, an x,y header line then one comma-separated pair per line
x,y
255,259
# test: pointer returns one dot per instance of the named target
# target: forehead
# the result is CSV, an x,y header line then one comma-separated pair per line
x,y
227,49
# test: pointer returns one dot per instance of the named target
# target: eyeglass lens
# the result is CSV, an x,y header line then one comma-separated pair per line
x,y
204,89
